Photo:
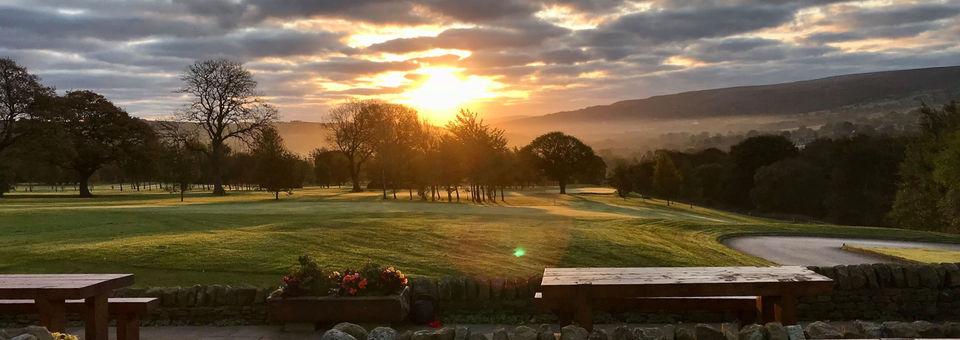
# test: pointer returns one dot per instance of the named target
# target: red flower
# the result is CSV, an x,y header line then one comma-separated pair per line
x,y
435,324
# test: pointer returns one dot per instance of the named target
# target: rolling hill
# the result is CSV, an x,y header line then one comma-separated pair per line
x,y
771,107
825,94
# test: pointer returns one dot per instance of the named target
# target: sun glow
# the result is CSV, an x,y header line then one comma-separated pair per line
x,y
439,92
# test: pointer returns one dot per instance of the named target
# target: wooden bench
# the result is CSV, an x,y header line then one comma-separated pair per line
x,y
774,290
127,312
746,308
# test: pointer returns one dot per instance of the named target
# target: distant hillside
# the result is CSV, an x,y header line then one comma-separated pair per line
x,y
638,123
826,94
300,137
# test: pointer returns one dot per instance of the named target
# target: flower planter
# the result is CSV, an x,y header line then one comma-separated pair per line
x,y
331,309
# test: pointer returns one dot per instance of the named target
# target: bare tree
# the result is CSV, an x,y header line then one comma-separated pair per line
x,y
226,105
356,126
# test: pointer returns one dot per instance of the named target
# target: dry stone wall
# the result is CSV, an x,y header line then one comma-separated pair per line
x,y
869,292
887,292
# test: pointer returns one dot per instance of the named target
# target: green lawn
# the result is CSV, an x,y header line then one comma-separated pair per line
x,y
916,255
248,238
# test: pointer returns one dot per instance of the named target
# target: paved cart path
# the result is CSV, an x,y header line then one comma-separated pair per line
x,y
818,251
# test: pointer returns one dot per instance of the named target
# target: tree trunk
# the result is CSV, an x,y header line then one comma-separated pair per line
x,y
383,182
276,195
457,190
563,186
85,184
216,158
355,176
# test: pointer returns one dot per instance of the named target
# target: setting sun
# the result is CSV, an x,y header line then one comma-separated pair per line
x,y
440,91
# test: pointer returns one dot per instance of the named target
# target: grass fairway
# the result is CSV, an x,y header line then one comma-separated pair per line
x,y
248,238
916,255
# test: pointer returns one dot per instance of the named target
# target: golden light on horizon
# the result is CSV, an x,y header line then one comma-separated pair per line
x,y
442,91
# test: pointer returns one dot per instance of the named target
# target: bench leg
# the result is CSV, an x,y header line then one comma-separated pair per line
x,y
584,309
96,318
786,310
564,315
128,327
53,313
765,304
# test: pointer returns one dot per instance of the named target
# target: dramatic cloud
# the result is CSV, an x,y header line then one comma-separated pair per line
x,y
501,57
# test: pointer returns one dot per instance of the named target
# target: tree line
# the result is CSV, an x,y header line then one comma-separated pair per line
x,y
865,179
224,138
400,152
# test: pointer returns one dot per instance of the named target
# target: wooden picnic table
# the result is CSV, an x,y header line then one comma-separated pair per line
x,y
50,292
777,288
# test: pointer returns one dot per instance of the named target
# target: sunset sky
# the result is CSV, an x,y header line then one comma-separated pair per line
x,y
499,57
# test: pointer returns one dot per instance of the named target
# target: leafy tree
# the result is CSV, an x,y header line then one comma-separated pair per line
x,y
561,157
180,158
710,178
622,178
276,168
19,93
666,177
862,174
85,131
226,106
927,194
329,167
355,127
790,186
394,142
478,145
748,156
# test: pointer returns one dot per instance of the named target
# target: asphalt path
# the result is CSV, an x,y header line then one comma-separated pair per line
x,y
818,251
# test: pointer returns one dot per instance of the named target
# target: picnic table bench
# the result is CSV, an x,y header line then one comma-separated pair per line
x,y
50,293
575,292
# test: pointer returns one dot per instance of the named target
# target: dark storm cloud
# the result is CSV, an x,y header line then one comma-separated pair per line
x,y
899,15
375,11
482,10
55,25
689,23
249,44
565,56
591,6
892,22
133,50
752,50
348,67
474,39
490,59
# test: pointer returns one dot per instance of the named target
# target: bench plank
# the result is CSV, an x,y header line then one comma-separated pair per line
x,y
773,289
115,306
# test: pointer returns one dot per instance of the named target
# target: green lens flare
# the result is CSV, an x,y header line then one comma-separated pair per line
x,y
519,252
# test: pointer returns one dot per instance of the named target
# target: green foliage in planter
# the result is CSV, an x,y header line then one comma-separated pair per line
x,y
308,278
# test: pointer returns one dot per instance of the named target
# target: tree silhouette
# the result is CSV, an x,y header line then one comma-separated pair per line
x,y
225,104
561,157
276,168
85,131
355,127
666,177
19,93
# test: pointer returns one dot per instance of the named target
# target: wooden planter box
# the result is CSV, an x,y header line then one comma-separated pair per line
x,y
332,309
